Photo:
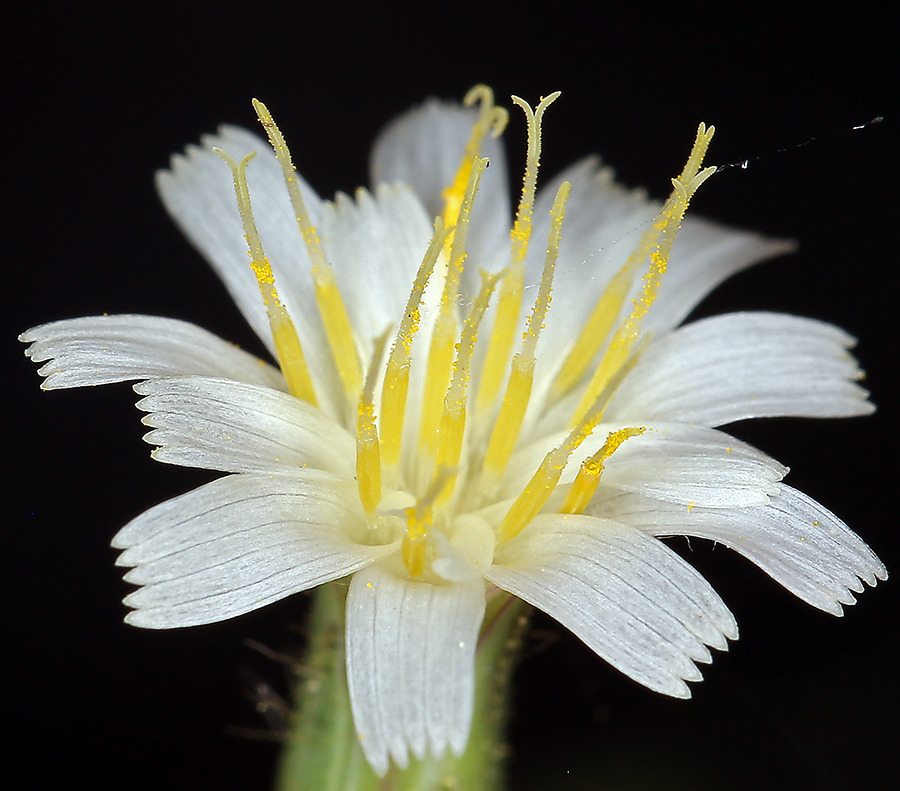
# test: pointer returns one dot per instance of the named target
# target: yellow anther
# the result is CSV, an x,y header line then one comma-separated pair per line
x,y
414,547
491,120
453,419
518,389
335,318
287,343
443,339
368,450
542,484
594,334
534,496
419,518
512,288
655,245
542,302
585,483
502,337
396,378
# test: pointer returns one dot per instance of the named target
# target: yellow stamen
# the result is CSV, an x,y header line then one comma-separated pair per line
x,y
414,546
585,483
396,378
542,484
419,519
287,343
453,419
368,450
334,314
534,496
594,334
443,339
518,389
656,244
491,120
512,289
502,337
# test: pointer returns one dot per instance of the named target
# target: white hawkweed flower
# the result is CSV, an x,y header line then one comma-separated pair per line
x,y
457,437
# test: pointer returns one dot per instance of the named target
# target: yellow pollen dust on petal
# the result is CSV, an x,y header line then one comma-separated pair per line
x,y
585,483
453,419
518,389
396,378
287,344
512,288
655,245
443,339
368,449
336,320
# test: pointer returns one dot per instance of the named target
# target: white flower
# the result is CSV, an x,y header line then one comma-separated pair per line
x,y
465,437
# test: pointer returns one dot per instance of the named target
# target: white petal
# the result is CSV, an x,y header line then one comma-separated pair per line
x,y
795,540
375,245
705,254
691,466
424,148
95,350
199,194
683,464
603,224
411,664
238,544
743,365
223,425
627,596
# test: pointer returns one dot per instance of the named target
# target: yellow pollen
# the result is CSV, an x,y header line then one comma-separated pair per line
x,y
368,450
287,343
335,318
518,389
655,245
396,379
512,288
585,483
443,339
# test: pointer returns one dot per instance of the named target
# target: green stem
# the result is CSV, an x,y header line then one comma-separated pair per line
x,y
322,752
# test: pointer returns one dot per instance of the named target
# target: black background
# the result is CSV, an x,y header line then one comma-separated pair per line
x,y
101,97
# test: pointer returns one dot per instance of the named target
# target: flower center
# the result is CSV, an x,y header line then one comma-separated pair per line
x,y
455,456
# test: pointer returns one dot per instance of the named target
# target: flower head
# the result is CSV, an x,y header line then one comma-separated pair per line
x,y
439,430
